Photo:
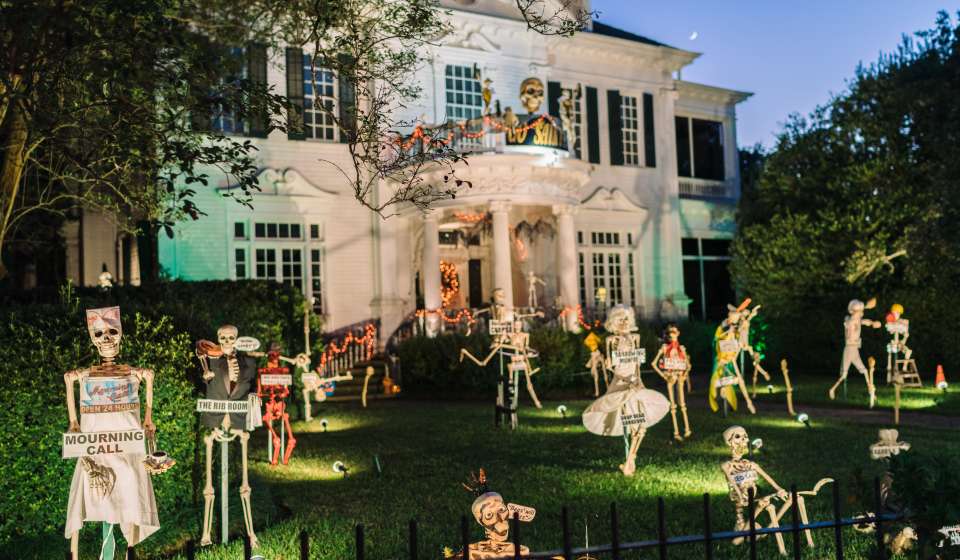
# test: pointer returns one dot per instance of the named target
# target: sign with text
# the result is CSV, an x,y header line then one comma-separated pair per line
x,y
674,364
518,366
633,419
952,534
284,379
499,327
729,346
744,477
91,444
223,407
897,327
522,513
310,379
246,344
729,380
883,451
636,356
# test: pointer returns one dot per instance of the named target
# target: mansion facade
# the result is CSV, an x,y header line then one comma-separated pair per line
x,y
636,207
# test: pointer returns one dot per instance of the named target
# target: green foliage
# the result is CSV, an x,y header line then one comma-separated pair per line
x,y
859,200
925,484
37,346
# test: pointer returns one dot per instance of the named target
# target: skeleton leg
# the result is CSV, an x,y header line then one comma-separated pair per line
x,y
208,495
673,408
533,394
775,522
268,419
596,380
743,388
683,409
245,488
844,368
75,545
291,441
802,508
871,388
306,404
636,436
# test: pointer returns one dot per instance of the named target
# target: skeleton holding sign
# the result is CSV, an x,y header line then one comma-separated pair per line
x,y
493,514
852,342
112,482
273,384
229,374
726,373
672,363
628,408
742,476
743,338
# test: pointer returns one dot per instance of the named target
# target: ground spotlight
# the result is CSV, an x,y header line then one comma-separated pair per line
x,y
756,444
804,419
770,389
942,386
340,468
324,424
562,410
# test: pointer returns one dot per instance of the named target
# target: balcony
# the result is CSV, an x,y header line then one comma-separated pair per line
x,y
705,188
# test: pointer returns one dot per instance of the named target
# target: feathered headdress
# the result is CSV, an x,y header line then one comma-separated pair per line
x,y
477,484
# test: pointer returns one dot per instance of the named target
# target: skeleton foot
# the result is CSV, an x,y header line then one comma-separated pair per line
x,y
832,393
628,468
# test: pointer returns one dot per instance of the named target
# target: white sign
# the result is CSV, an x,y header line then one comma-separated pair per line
x,y
951,533
223,407
499,327
729,346
517,366
246,344
310,379
522,513
881,451
632,419
284,379
730,380
636,356
674,364
897,327
91,444
744,477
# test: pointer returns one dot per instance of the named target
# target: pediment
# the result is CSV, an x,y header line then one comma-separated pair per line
x,y
285,182
610,200
470,37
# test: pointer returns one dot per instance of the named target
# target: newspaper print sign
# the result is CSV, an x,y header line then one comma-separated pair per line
x,y
499,327
628,357
729,346
284,379
109,394
247,344
744,477
633,419
522,513
729,380
674,364
223,407
91,444
951,534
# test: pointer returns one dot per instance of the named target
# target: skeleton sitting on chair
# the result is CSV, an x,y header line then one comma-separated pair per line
x,y
229,375
742,475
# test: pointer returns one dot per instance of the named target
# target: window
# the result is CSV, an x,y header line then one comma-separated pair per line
x,y
266,268
239,230
314,231
580,237
318,106
630,126
577,128
463,93
240,263
291,268
271,230
224,119
583,279
448,237
700,149
611,267
316,281
706,279
632,277
605,237
615,291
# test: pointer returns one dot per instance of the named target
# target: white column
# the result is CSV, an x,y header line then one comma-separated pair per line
x,y
502,272
430,270
567,264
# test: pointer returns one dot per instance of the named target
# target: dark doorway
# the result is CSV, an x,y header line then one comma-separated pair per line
x,y
476,287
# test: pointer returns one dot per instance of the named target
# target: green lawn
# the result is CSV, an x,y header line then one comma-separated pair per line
x,y
427,448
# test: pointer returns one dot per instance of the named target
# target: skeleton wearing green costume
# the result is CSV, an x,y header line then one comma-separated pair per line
x,y
726,373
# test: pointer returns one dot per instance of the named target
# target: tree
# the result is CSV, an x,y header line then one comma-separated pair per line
x,y
859,198
99,100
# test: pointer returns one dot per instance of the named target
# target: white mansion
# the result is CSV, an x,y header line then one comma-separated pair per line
x,y
638,210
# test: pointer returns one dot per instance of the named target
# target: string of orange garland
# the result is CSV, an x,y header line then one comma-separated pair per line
x,y
489,124
332,349
449,283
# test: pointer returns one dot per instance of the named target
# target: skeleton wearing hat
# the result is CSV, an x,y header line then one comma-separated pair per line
x,y
493,514
112,488
851,350
726,372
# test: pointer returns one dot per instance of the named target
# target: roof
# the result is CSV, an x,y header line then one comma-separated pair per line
x,y
611,31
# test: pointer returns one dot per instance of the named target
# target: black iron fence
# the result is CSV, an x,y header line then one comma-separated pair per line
x,y
662,543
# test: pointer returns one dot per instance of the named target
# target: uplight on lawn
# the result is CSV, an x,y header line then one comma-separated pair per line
x,y
770,389
756,444
804,419
324,424
339,467
562,410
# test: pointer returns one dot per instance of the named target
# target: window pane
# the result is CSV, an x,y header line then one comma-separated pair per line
x,y
239,230
582,269
690,248
683,146
295,231
272,231
314,231
708,150
462,99
629,129
691,287
284,230
260,229
241,263
718,288
716,247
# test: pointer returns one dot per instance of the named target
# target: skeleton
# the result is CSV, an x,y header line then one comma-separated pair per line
x,y
516,344
742,474
531,94
487,94
902,370
674,369
493,514
225,433
852,342
567,101
275,407
628,408
743,338
532,281
595,363
727,348
112,488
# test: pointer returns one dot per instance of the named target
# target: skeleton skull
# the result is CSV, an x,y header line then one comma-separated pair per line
x,y
227,336
491,512
855,307
531,94
105,330
498,296
621,320
737,439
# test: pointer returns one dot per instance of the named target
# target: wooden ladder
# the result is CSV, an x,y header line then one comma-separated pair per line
x,y
907,371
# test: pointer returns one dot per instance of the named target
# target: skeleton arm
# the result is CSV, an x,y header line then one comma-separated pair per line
x,y
686,357
69,379
147,374
608,359
780,491
732,483
655,362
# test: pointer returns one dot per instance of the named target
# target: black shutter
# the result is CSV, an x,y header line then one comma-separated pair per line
x,y
295,130
553,99
616,127
200,120
257,73
682,125
649,138
347,99
593,130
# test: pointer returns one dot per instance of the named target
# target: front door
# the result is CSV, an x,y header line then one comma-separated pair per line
x,y
476,287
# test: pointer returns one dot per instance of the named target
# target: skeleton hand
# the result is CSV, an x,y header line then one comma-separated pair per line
x,y
148,426
102,478
782,494
74,426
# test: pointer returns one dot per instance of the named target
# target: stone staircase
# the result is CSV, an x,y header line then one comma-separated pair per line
x,y
352,390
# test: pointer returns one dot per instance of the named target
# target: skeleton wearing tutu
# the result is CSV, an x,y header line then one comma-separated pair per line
x,y
112,488
628,408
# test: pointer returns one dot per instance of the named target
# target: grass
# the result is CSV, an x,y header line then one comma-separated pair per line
x,y
427,448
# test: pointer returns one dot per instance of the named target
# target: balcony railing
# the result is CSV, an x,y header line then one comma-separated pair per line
x,y
707,188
